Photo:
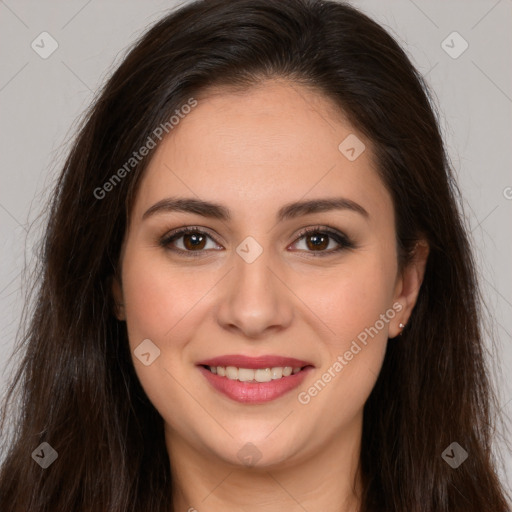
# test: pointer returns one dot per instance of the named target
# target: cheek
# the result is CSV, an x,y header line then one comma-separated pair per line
x,y
158,298
357,308
162,305
166,305
352,297
365,310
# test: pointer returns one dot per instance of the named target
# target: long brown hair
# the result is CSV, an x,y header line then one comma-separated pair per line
x,y
78,390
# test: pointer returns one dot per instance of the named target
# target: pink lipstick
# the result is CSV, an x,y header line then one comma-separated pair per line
x,y
254,380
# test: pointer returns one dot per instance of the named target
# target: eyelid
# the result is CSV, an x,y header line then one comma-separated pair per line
x,y
343,241
177,233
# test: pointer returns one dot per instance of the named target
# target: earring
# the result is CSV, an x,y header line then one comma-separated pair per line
x,y
401,325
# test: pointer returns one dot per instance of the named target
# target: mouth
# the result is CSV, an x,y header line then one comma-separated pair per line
x,y
254,375
254,380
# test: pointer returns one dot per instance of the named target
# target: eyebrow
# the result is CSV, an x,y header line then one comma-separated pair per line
x,y
220,212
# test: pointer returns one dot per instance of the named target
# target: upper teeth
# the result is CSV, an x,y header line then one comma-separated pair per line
x,y
259,375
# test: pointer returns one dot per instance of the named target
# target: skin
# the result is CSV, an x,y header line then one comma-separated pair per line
x,y
253,152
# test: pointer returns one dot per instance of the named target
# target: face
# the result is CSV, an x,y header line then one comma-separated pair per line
x,y
292,269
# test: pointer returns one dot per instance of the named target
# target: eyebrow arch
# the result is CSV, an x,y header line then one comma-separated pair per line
x,y
288,211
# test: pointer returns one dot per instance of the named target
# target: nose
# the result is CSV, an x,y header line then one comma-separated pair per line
x,y
255,301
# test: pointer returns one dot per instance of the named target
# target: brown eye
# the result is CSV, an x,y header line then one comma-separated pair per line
x,y
317,241
193,241
323,241
188,240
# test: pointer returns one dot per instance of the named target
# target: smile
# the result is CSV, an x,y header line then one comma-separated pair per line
x,y
254,380
254,375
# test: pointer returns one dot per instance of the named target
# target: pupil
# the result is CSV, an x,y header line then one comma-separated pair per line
x,y
193,241
318,241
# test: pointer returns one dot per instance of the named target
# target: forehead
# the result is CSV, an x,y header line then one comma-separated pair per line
x,y
257,149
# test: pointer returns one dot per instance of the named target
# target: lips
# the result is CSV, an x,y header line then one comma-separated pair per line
x,y
241,376
240,361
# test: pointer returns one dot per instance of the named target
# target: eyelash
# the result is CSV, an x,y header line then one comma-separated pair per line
x,y
341,239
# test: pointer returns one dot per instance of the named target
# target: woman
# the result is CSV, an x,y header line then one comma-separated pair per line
x,y
256,289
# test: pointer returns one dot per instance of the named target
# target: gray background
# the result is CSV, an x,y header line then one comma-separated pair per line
x,y
41,99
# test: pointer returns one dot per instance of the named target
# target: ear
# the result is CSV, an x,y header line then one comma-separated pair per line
x,y
117,294
408,286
